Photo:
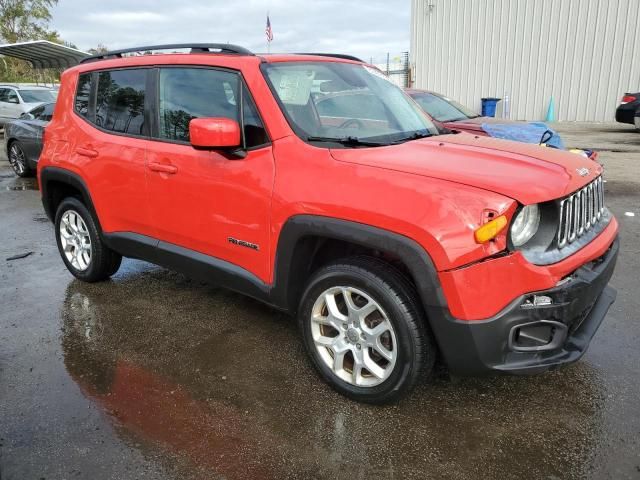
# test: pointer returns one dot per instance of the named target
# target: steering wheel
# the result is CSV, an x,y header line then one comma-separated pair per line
x,y
351,123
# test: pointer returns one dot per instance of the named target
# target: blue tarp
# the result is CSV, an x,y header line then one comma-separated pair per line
x,y
523,132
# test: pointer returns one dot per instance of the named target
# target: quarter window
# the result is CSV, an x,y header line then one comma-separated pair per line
x,y
120,101
187,93
82,94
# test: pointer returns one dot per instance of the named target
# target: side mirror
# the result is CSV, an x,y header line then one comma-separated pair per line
x,y
27,116
13,100
210,133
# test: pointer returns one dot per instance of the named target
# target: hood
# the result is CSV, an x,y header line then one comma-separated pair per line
x,y
31,105
525,172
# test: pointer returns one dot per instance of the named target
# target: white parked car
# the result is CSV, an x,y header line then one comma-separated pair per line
x,y
16,100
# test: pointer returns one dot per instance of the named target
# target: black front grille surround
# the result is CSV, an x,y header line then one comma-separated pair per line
x,y
580,212
571,223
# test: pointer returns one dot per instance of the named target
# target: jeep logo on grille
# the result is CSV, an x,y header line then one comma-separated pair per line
x,y
583,172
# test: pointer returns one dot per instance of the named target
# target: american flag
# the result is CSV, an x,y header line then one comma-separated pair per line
x,y
268,32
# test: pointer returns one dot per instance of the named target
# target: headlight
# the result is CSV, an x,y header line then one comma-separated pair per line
x,y
525,225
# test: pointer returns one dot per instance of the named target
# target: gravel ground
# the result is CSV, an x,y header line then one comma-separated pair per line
x,y
152,375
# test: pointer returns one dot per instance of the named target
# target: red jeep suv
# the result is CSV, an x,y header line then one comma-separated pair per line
x,y
312,183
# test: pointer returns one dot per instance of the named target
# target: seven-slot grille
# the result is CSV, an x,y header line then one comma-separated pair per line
x,y
580,211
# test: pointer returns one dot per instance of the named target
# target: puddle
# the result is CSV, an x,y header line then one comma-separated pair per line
x,y
193,376
29,185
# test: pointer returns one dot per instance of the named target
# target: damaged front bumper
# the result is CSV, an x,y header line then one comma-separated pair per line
x,y
537,331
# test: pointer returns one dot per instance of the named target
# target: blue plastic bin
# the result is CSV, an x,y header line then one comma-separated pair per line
x,y
489,106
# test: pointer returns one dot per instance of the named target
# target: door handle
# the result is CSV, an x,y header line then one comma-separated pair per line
x,y
87,152
163,168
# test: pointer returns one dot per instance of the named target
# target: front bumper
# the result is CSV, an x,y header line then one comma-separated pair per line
x,y
503,343
626,113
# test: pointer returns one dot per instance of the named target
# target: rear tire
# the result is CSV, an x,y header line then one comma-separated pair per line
x,y
18,160
80,244
365,331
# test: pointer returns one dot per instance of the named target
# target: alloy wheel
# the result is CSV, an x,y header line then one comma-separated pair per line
x,y
17,159
75,240
354,336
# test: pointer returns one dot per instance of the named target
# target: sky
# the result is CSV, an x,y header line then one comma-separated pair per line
x,y
366,28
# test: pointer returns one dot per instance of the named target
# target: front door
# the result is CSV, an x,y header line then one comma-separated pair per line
x,y
207,201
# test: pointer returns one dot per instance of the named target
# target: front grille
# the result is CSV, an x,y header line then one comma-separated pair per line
x,y
580,211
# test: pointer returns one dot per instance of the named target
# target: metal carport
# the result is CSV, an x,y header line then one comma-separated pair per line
x,y
44,54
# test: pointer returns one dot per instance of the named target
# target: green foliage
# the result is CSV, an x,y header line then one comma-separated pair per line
x,y
21,21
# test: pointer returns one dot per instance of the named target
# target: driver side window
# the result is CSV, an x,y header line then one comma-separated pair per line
x,y
190,92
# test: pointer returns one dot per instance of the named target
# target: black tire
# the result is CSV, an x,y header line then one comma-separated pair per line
x,y
18,160
383,283
104,261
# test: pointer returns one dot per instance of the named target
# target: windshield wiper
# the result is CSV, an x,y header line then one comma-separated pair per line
x,y
347,141
413,136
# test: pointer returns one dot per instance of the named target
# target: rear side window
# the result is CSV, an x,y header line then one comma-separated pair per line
x,y
120,101
82,94
187,93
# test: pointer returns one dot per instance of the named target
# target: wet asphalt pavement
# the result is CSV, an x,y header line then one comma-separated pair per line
x,y
152,375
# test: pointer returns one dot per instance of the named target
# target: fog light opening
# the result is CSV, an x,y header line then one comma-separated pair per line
x,y
537,301
537,336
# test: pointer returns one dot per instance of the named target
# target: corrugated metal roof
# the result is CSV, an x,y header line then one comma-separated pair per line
x,y
44,54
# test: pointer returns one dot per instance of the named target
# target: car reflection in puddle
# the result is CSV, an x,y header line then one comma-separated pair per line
x,y
221,381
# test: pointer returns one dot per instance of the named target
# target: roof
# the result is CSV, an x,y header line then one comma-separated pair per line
x,y
218,49
44,54
307,57
19,86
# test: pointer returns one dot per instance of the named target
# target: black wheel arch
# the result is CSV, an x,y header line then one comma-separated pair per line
x,y
57,183
293,255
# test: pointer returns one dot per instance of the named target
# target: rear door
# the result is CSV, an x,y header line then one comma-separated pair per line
x,y
207,201
109,145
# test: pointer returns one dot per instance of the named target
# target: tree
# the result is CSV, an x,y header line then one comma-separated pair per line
x,y
99,50
22,20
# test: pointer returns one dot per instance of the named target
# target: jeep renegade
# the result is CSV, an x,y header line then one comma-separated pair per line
x,y
312,183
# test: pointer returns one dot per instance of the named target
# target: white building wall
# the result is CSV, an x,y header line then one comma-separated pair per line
x,y
586,53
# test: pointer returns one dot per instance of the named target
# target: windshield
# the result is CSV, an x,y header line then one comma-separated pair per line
x,y
34,96
443,109
351,104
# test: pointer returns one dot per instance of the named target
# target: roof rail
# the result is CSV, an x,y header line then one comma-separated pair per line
x,y
225,48
334,55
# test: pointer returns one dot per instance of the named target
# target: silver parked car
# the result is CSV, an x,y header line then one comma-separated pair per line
x,y
16,100
23,139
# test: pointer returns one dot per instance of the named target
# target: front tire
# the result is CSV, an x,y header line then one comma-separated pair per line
x,y
365,331
18,160
80,244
